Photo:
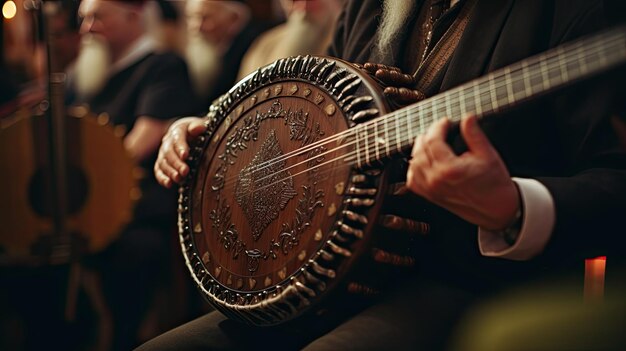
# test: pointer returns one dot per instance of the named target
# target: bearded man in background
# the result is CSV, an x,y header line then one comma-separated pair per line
x,y
307,31
121,73
219,34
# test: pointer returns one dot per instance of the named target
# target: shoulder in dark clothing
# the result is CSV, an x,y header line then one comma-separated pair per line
x,y
156,86
232,59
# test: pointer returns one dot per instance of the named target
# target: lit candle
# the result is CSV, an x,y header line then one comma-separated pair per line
x,y
594,278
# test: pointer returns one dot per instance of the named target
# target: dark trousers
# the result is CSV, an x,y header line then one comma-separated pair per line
x,y
420,315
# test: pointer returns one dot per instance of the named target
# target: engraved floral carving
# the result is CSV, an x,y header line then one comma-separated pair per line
x,y
299,129
291,232
238,140
226,232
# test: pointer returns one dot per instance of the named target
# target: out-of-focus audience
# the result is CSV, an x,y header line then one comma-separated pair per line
x,y
169,25
124,63
308,30
120,72
219,34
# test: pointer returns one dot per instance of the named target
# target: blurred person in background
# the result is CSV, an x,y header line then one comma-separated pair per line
x,y
307,31
219,34
120,72
170,29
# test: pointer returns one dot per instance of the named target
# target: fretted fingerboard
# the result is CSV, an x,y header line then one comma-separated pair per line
x,y
502,89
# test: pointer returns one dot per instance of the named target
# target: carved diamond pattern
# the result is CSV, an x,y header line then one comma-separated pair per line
x,y
263,187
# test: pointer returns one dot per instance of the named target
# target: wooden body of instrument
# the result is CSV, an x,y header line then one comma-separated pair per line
x,y
280,212
100,188
68,185
275,217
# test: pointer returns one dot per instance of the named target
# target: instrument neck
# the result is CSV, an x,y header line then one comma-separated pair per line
x,y
500,90
57,125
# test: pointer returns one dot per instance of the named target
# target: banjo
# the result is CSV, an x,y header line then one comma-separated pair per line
x,y
280,213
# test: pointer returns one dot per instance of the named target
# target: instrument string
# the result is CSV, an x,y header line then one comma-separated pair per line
x,y
422,114
414,108
428,120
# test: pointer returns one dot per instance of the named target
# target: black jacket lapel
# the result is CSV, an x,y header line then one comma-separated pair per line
x,y
473,52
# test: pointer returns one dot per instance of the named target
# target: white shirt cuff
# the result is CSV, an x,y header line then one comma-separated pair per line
x,y
537,225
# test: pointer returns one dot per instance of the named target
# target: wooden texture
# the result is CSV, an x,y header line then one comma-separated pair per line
x,y
101,185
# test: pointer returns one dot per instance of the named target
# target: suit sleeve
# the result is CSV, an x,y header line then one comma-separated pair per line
x,y
590,203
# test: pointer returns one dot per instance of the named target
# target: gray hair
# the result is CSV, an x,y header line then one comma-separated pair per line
x,y
395,16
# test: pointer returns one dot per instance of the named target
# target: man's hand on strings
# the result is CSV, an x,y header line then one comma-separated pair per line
x,y
170,165
475,185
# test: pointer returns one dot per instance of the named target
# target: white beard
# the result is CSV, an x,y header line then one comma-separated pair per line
x,y
204,62
92,66
393,23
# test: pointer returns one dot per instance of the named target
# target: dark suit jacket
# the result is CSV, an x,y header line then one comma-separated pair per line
x,y
158,86
565,141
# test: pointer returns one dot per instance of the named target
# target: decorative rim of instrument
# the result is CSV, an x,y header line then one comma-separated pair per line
x,y
322,272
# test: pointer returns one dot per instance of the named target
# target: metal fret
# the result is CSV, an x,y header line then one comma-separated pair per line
x,y
377,140
492,90
420,121
583,61
509,88
535,79
366,144
553,76
386,121
572,66
439,110
544,75
518,86
477,103
409,125
603,55
562,67
448,107
526,79
398,140
463,111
